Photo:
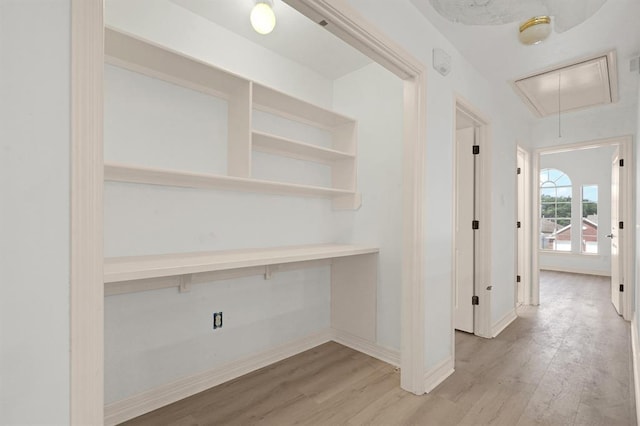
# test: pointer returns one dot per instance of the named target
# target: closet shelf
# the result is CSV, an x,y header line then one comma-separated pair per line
x,y
165,177
273,144
278,103
151,59
119,269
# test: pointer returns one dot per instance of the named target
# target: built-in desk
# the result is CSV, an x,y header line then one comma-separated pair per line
x,y
354,275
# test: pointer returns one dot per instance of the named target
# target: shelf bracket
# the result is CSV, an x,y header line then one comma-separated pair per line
x,y
184,283
269,270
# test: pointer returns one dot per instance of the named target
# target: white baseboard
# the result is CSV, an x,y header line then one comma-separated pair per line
x,y
359,344
438,374
160,396
503,322
635,351
576,270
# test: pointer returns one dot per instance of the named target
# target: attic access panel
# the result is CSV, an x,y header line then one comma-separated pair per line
x,y
572,87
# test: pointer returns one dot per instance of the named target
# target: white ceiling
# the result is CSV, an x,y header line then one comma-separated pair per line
x,y
493,50
294,37
497,54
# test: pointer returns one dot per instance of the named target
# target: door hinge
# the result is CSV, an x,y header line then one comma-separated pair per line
x,y
475,224
518,224
517,278
476,149
621,225
519,170
475,300
621,287
621,162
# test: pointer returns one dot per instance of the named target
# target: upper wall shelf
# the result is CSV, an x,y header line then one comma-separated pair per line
x,y
147,58
165,177
272,144
118,269
275,102
242,95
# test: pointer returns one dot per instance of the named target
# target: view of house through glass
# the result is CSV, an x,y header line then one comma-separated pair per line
x,y
589,219
555,210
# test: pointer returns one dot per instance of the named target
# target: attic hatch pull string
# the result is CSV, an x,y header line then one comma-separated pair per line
x,y
559,106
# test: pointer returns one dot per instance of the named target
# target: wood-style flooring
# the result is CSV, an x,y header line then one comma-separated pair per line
x,y
566,362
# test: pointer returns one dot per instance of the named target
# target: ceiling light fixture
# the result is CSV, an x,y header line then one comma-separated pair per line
x,y
534,30
566,13
263,20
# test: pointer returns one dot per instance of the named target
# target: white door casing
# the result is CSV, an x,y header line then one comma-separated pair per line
x,y
617,278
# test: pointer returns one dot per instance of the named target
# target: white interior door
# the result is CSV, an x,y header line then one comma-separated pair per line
x,y
520,231
464,242
616,258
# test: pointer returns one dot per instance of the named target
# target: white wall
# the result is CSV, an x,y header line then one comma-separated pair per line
x,y
405,25
373,96
34,211
584,126
584,167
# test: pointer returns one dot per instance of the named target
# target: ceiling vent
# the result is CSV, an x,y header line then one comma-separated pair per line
x,y
579,85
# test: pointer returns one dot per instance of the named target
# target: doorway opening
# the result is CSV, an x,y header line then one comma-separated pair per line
x,y
584,214
471,289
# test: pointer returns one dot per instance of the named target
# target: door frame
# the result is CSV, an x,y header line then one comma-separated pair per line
x,y
347,24
625,143
525,225
482,313
86,338
87,293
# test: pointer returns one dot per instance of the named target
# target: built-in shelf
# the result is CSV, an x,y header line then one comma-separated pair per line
x,y
242,96
275,102
145,57
165,177
273,144
118,269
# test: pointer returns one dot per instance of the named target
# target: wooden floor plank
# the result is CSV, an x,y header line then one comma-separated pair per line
x,y
566,362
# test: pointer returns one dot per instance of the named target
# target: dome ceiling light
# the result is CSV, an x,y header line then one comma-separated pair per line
x,y
534,30
566,13
263,20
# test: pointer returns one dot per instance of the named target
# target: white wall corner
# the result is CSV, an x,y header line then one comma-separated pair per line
x,y
635,354
503,322
438,374
390,356
160,396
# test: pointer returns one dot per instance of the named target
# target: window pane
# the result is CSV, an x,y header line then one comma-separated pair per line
x,y
564,192
589,228
548,192
563,180
555,234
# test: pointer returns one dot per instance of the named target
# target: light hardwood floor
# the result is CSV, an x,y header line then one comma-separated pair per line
x,y
566,362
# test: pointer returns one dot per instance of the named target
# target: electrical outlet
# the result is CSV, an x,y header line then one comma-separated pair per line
x,y
217,320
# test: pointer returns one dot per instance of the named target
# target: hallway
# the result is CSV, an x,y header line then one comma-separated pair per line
x,y
565,362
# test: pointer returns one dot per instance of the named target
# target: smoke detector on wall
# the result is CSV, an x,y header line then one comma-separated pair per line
x,y
441,61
